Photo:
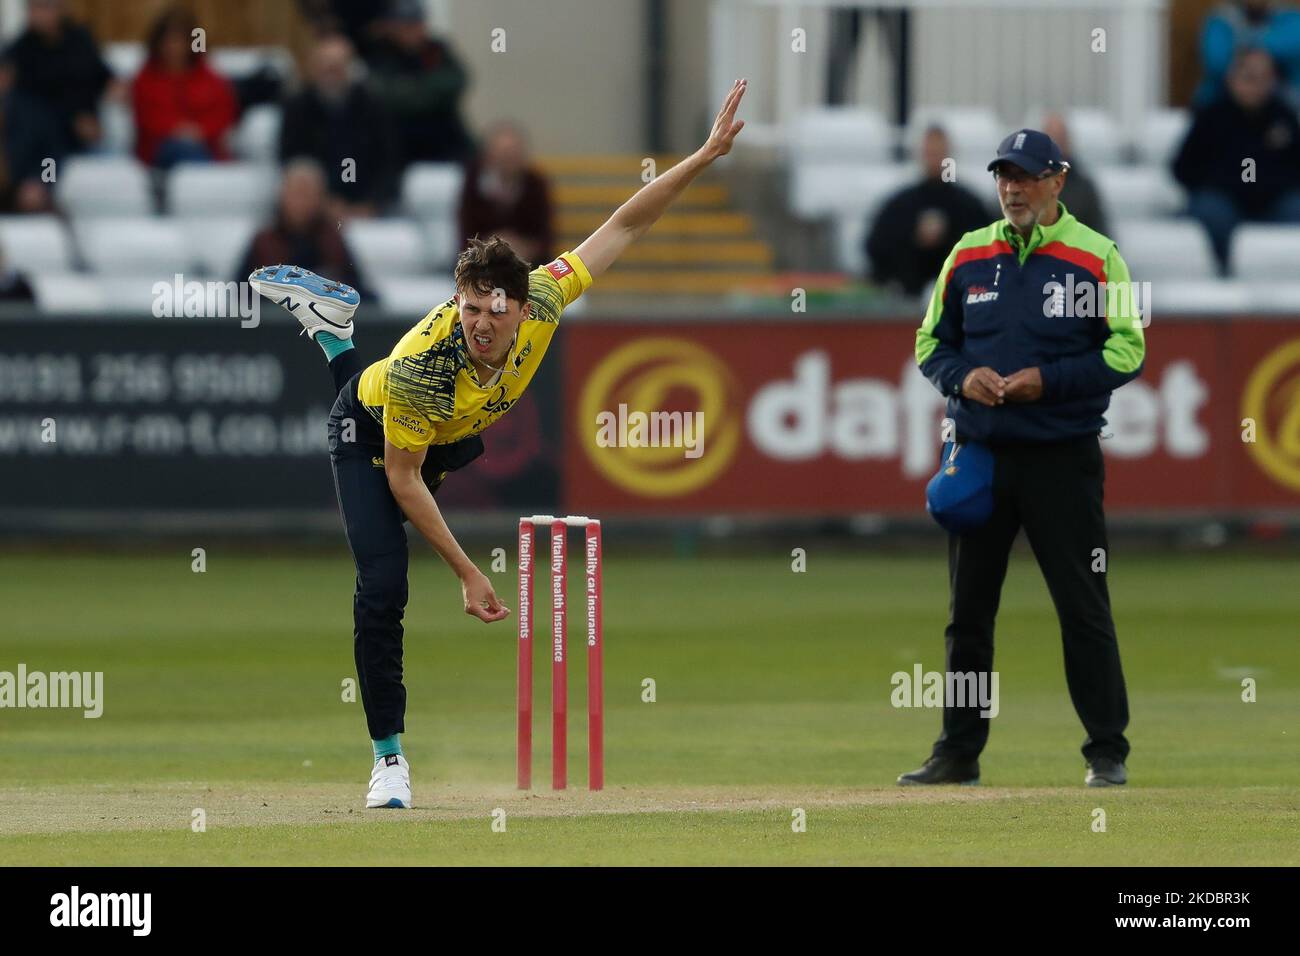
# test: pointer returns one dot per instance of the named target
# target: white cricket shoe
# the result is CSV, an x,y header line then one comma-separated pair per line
x,y
318,303
390,784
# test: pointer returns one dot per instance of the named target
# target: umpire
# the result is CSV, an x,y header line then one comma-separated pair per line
x,y
1027,360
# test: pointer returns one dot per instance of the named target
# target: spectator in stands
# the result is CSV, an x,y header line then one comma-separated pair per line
x,y
1255,24
13,286
303,231
505,196
183,108
344,127
57,64
1079,193
915,228
421,81
359,20
28,137
1241,158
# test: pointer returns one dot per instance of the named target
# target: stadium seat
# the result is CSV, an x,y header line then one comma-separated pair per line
x,y
1172,249
218,245
1162,134
850,233
229,189
33,244
1195,296
842,189
387,247
971,131
415,296
1268,252
118,124
443,241
134,246
840,135
432,190
134,294
242,62
124,59
1138,192
1095,137
103,186
68,292
1277,295
257,137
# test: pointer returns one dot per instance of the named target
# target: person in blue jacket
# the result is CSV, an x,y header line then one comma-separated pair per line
x,y
1031,326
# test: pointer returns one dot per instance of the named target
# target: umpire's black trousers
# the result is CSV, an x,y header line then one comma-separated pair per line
x,y
377,539
1054,491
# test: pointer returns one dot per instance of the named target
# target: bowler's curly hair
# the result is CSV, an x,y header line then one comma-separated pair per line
x,y
489,264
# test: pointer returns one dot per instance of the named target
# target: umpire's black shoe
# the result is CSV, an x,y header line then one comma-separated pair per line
x,y
1105,772
943,770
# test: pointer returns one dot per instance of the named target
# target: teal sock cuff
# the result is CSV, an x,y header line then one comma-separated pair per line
x,y
333,347
389,746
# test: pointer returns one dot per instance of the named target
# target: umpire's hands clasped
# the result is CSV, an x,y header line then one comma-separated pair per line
x,y
986,386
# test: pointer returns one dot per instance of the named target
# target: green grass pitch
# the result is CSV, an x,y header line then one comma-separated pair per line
x,y
223,694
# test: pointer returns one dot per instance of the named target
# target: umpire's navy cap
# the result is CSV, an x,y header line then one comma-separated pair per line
x,y
960,495
1034,152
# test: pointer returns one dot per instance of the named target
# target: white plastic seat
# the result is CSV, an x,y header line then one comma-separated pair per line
x,y
442,237
218,245
1274,296
135,294
118,125
1095,136
34,244
68,292
971,131
1265,251
241,62
79,294
840,135
221,189
103,186
124,59
134,246
1171,249
387,247
406,295
818,190
1197,296
1138,192
257,137
432,190
850,233
1161,136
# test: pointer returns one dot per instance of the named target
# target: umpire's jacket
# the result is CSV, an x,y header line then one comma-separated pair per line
x,y
995,304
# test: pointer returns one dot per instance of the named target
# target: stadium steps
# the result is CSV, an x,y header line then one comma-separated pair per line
x,y
703,247
683,224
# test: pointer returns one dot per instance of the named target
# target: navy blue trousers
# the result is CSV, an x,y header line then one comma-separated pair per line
x,y
1054,491
376,535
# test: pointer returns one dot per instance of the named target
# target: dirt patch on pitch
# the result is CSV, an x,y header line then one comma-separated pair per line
x,y
64,809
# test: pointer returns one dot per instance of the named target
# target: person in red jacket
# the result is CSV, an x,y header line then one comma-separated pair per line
x,y
183,108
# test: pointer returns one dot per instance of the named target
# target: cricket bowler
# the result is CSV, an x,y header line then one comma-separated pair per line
x,y
399,426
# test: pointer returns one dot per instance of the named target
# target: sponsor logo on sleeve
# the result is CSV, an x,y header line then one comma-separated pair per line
x,y
559,268
409,423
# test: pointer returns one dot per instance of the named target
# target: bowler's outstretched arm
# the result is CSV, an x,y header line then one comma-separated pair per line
x,y
632,219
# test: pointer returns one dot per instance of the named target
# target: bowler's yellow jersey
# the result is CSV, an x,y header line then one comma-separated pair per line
x,y
426,391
